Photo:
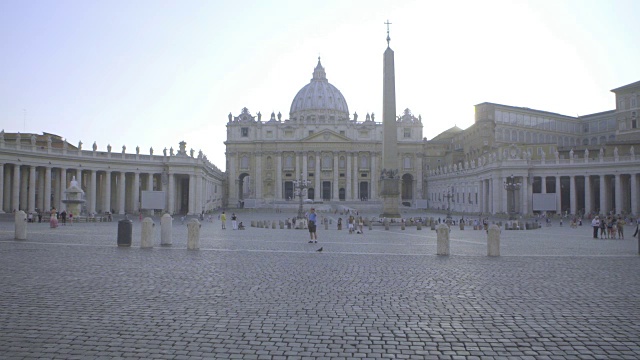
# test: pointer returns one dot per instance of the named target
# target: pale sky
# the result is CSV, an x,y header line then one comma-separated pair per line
x,y
153,73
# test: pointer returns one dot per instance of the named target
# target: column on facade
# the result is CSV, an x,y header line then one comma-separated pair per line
x,y
317,191
92,189
543,184
603,196
62,186
633,179
573,195
47,188
419,175
171,193
1,188
335,196
297,163
374,176
106,202
258,176
32,189
79,177
232,179
121,192
354,176
278,176
15,193
24,186
618,193
505,197
348,189
588,207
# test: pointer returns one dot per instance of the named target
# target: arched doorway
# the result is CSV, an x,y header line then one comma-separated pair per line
x,y
407,187
243,188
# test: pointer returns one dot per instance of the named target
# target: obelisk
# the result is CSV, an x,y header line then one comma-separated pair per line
x,y
389,179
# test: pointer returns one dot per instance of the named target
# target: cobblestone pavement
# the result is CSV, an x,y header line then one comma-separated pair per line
x,y
555,293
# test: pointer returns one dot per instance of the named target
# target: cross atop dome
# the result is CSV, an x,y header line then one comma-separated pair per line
x,y
388,38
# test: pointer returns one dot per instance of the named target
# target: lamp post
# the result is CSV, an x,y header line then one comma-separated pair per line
x,y
300,188
449,196
511,186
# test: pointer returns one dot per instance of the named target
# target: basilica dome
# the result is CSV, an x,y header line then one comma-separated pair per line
x,y
319,101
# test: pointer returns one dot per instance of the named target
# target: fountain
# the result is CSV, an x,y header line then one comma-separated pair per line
x,y
74,198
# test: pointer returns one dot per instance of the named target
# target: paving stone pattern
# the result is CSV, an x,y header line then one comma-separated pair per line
x,y
555,293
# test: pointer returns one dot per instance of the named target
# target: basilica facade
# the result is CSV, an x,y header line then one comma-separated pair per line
x,y
339,154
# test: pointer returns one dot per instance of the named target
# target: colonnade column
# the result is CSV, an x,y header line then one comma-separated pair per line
x,y
15,194
588,207
524,196
419,189
279,177
106,203
93,189
480,196
1,188
496,193
32,189
633,179
603,197
335,196
573,198
47,188
505,198
171,194
317,191
198,193
543,184
121,192
348,189
618,193
558,196
192,195
40,189
136,193
63,187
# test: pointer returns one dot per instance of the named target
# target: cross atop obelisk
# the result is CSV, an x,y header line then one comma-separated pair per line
x,y
388,38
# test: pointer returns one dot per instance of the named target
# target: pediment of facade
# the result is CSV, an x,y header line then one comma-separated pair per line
x,y
325,136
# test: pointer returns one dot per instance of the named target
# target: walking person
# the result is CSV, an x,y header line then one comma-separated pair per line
x,y
595,223
223,220
312,226
234,222
63,217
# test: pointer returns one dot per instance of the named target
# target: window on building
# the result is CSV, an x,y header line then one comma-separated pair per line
x,y
310,132
244,162
342,162
407,162
364,162
311,164
326,162
269,133
288,162
407,133
244,131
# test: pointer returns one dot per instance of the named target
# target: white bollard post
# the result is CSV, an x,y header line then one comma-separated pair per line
x,y
21,225
493,241
146,238
193,235
166,225
443,239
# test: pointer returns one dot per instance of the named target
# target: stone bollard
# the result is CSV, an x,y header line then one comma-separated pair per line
x,y
370,226
281,224
443,239
493,241
193,235
326,224
253,223
146,238
273,224
386,224
20,220
402,225
419,226
166,225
